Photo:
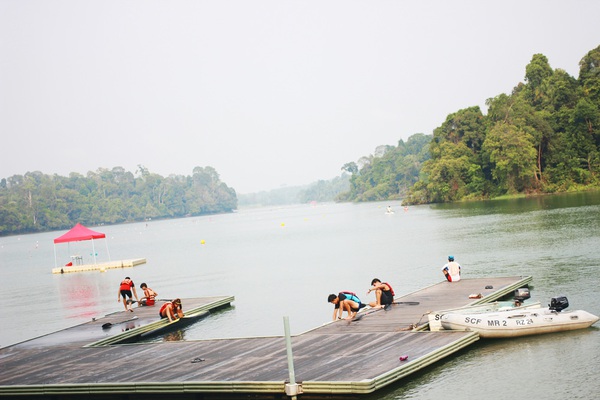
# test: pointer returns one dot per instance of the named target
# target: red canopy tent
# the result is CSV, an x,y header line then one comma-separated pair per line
x,y
77,234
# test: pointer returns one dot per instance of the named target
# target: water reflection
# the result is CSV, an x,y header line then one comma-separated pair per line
x,y
523,204
174,336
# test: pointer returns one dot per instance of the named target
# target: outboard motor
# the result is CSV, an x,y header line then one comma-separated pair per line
x,y
522,294
558,303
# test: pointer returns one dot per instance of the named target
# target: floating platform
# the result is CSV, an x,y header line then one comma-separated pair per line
x,y
87,360
100,266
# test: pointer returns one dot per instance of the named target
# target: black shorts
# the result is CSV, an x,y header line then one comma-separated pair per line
x,y
126,293
386,297
361,305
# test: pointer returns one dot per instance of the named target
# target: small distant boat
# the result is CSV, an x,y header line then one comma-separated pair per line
x,y
435,317
521,322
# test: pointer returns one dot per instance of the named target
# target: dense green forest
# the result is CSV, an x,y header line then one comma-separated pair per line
x,y
36,202
389,173
544,137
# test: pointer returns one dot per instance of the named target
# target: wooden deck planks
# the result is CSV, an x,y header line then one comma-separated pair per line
x,y
365,359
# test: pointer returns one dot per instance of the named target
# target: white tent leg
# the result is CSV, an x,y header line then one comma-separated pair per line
x,y
94,252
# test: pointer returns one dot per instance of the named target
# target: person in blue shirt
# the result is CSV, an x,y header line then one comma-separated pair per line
x,y
345,301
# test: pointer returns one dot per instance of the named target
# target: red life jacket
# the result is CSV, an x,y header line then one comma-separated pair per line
x,y
126,284
163,307
391,290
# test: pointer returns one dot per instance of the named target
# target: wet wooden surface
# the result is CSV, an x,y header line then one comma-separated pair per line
x,y
339,357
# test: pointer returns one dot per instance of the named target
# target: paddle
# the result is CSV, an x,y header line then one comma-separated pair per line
x,y
360,316
387,307
135,301
109,324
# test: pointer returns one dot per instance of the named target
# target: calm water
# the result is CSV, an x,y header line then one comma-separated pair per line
x,y
284,261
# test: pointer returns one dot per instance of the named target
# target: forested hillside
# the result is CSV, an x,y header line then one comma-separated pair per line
x,y
389,173
544,137
37,202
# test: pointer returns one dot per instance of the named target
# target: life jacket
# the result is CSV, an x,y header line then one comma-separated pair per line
x,y
126,284
391,290
163,307
351,296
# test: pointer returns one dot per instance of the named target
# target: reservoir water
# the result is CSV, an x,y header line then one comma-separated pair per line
x,y
284,261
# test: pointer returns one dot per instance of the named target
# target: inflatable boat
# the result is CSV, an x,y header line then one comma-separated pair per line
x,y
521,322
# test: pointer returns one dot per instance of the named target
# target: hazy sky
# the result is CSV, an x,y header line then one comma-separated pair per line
x,y
269,93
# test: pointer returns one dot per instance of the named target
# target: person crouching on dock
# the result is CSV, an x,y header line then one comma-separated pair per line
x,y
345,301
125,292
171,310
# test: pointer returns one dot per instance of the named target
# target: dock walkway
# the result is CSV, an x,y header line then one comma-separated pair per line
x,y
363,361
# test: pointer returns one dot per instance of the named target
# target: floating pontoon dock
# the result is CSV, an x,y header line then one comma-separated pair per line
x,y
100,266
86,360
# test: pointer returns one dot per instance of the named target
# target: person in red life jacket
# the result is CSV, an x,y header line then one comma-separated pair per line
x,y
345,301
149,296
384,293
171,310
125,291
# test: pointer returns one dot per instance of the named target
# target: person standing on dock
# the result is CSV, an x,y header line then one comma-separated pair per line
x,y
149,296
384,294
171,310
452,270
125,291
345,301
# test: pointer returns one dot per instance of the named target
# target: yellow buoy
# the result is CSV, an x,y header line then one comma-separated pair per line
x,y
202,241
282,224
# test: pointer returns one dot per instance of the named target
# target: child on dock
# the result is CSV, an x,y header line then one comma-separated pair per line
x,y
345,301
149,296
125,291
171,310
384,294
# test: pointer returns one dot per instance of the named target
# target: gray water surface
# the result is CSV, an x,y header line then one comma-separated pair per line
x,y
285,261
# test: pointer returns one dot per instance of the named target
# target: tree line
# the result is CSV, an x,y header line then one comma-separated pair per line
x,y
37,202
319,191
544,137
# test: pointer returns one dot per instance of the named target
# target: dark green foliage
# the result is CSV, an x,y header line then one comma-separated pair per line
x,y
37,202
544,137
389,173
